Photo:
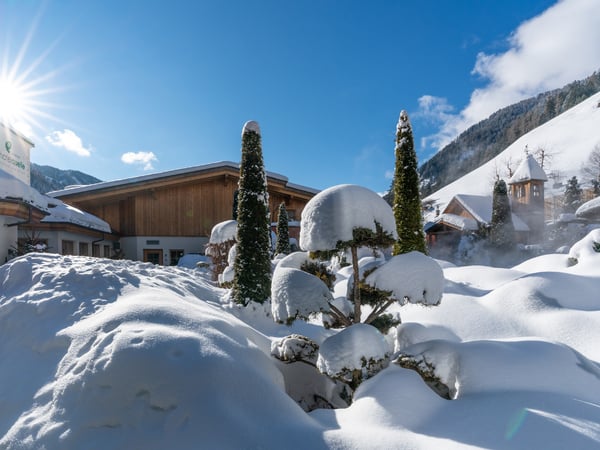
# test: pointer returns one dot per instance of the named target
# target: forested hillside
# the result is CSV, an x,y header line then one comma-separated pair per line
x,y
46,178
486,139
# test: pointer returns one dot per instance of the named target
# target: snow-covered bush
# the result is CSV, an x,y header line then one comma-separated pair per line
x,y
222,238
347,217
295,347
297,294
410,278
354,354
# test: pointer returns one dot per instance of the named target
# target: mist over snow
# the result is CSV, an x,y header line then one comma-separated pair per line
x,y
104,354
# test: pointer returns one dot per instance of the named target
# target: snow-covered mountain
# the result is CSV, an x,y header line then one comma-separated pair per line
x,y
48,178
568,140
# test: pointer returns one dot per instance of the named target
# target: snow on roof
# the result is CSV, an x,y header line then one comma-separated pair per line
x,y
331,215
12,188
172,173
63,213
460,222
480,207
529,169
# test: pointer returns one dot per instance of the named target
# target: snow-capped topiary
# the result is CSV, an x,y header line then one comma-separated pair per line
x,y
331,216
354,354
410,278
223,232
297,294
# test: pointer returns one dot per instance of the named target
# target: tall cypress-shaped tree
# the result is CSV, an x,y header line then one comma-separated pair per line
x,y
407,201
502,230
283,232
252,266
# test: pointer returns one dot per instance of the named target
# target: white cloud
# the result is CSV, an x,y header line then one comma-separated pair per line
x,y
547,52
68,140
140,158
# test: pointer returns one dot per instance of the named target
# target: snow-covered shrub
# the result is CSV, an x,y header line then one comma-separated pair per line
x,y
294,348
410,333
347,217
354,354
297,294
222,238
410,278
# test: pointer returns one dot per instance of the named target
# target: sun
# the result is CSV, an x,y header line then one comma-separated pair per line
x,y
13,101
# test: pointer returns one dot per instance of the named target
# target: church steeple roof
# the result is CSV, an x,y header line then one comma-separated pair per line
x,y
528,170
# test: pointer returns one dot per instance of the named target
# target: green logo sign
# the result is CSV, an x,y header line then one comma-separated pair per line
x,y
8,146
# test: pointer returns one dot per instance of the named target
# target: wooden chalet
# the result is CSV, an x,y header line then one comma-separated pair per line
x,y
162,216
465,214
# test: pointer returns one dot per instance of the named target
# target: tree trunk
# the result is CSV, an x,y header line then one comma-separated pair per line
x,y
356,290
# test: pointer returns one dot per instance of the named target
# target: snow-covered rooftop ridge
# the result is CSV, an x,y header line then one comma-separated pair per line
x,y
171,173
570,137
529,169
460,222
12,188
480,207
251,125
63,213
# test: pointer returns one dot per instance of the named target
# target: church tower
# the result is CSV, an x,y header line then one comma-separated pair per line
x,y
527,196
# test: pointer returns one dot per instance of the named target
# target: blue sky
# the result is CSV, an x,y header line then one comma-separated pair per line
x,y
123,88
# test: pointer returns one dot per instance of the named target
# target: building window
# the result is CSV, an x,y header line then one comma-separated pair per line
x,y
291,215
96,250
174,256
536,190
153,256
68,247
107,251
84,249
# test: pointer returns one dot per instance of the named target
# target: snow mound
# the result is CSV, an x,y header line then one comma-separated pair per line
x,y
410,333
223,232
331,215
127,355
587,250
411,278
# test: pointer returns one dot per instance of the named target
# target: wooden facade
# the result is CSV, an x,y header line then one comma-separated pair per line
x,y
183,203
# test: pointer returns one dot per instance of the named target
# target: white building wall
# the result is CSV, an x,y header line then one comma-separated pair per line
x,y
133,247
8,237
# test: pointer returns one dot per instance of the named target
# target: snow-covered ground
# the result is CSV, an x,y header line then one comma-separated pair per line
x,y
100,354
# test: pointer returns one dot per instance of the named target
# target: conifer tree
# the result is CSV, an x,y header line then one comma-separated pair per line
x,y
502,230
407,201
283,233
572,199
252,266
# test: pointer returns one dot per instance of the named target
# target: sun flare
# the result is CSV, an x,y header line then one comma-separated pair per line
x,y
13,101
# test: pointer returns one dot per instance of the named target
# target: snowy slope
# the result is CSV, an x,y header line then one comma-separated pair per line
x,y
100,354
569,138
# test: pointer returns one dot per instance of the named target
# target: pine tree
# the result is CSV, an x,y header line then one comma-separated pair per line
x,y
502,230
283,233
252,266
572,198
407,201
